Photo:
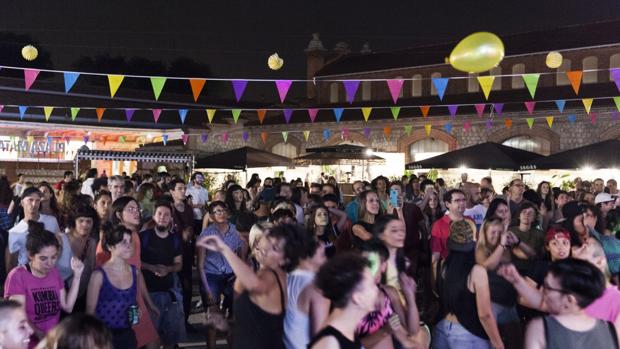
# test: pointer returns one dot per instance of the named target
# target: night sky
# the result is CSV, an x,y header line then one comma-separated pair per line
x,y
235,37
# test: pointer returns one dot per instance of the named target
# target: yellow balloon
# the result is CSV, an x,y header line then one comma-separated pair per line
x,y
477,52
30,52
554,59
275,62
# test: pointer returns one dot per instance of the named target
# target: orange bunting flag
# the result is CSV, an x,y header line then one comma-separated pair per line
x,y
100,113
261,114
508,123
587,104
263,136
210,114
387,131
427,128
486,83
575,79
425,109
197,86
366,112
115,82
549,121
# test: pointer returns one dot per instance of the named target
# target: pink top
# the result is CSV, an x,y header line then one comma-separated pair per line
x,y
42,296
607,307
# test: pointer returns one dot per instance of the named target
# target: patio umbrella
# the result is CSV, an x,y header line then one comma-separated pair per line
x,y
338,155
484,156
604,154
242,159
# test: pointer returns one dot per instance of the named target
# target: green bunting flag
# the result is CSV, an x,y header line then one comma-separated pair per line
x,y
158,84
531,81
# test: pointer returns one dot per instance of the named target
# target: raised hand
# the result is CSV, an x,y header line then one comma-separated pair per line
x,y
211,243
77,266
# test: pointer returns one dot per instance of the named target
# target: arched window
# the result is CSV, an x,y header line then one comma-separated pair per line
x,y
590,63
614,62
285,149
433,89
426,148
366,90
517,71
416,85
534,144
472,83
497,83
333,92
561,78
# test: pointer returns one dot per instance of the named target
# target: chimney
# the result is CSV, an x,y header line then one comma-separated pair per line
x,y
315,60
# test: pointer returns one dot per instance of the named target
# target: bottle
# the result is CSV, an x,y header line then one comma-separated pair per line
x,y
133,314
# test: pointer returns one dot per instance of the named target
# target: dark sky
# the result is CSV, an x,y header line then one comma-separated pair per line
x,y
235,37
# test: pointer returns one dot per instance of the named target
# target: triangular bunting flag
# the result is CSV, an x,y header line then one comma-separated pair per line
x,y
498,108
466,126
312,113
345,134
204,137
387,131
549,121
156,114
366,112
30,75
395,86
531,81
572,118
479,109
185,138
452,109
182,115
164,139
587,104
327,134
338,113
288,113
306,135
1,107
86,138
489,124
486,82
210,114
427,128
99,112
47,111
263,137
440,86
261,114
129,114
508,123
575,79
395,111
245,136
530,106
530,122
225,137
425,109
593,118
158,84
408,129
22,111
239,87
560,103
235,114
283,86
74,113
121,139
448,127
616,101
350,86
70,79
615,76
197,85
115,82
366,132
614,116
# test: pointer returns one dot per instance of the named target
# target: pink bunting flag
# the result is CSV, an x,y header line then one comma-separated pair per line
x,y
129,114
156,114
245,136
350,86
345,134
498,108
615,76
225,137
366,132
288,113
530,106
479,109
283,86
185,138
452,109
1,107
30,75
395,86
312,113
466,126
239,87
593,118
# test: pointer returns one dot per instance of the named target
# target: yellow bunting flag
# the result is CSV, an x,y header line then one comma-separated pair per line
x,y
427,128
550,121
263,136
100,113
366,111
115,82
486,82
48,112
210,114
587,104
306,135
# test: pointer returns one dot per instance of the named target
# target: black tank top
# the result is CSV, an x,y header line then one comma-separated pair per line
x,y
256,328
467,312
357,242
343,342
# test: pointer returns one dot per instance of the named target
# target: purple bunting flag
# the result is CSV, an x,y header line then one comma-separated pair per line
x,y
489,124
498,108
366,132
129,114
452,109
246,136
350,86
204,137
288,113
239,87
615,76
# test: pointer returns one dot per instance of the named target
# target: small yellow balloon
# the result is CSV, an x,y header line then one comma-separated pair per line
x,y
477,53
30,52
554,59
275,62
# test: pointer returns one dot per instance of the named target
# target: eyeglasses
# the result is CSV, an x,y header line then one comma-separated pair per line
x,y
219,212
547,288
132,209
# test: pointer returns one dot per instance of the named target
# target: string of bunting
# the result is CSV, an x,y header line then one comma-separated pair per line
x,y
283,85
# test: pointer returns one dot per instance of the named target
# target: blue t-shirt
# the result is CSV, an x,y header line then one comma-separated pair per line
x,y
215,263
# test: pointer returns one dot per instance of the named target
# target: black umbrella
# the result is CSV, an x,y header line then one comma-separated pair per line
x,y
338,154
604,154
486,155
242,158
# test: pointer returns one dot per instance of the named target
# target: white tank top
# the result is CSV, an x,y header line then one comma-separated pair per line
x,y
296,323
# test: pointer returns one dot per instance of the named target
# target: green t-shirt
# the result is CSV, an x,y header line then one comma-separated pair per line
x,y
534,238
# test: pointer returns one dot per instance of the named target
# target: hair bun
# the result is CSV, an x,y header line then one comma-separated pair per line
x,y
35,227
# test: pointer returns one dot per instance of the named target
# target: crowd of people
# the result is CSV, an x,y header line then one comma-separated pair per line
x,y
108,262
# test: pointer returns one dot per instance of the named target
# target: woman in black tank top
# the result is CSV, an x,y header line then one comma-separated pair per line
x,y
370,208
259,309
348,283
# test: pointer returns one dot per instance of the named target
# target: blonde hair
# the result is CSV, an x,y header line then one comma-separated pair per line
x,y
482,243
256,232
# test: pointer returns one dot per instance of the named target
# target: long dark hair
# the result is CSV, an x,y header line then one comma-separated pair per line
x,y
493,207
230,200
454,275
6,194
547,200
428,212
53,200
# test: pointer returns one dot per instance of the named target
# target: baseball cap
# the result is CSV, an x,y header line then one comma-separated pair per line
x,y
461,236
603,197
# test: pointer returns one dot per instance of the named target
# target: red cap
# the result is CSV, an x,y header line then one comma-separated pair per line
x,y
557,233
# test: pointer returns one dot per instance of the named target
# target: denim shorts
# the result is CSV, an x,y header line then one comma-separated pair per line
x,y
221,285
452,335
170,324
504,314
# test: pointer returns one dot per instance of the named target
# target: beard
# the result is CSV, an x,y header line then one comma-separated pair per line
x,y
161,228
